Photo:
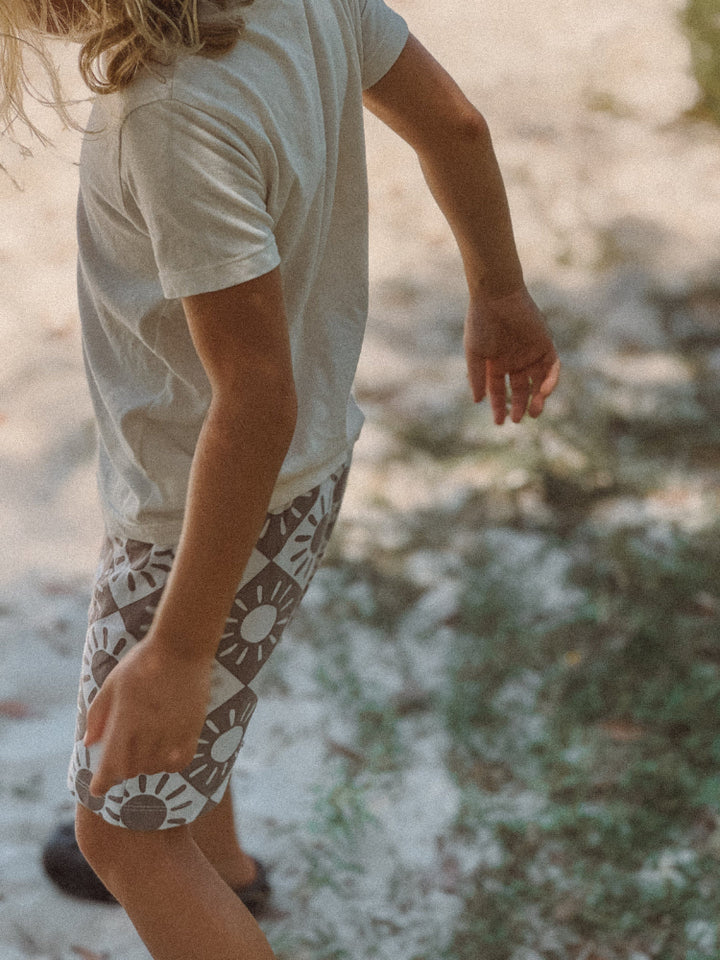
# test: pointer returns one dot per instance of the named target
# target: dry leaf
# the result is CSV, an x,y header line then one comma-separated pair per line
x,y
85,954
15,709
341,750
623,732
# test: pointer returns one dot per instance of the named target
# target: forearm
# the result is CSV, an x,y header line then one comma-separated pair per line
x,y
235,468
421,102
463,175
152,706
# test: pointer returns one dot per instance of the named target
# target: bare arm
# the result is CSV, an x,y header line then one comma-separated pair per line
x,y
505,333
150,711
241,337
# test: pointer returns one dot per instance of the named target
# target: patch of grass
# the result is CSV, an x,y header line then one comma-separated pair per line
x,y
362,592
30,790
649,651
586,743
625,770
603,449
602,101
701,19
337,829
442,438
363,597
376,744
494,925
378,736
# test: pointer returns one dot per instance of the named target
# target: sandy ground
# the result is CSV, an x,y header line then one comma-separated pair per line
x,y
584,101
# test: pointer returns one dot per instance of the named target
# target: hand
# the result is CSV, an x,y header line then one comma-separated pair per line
x,y
508,336
149,715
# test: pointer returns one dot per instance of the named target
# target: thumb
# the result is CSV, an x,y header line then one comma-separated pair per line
x,y
545,389
103,778
551,380
97,719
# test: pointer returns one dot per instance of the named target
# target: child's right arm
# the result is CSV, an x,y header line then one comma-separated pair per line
x,y
505,333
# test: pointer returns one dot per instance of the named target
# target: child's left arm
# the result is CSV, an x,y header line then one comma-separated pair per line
x,y
506,337
150,710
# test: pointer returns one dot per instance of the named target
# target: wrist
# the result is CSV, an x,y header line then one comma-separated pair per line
x,y
495,285
181,647
499,302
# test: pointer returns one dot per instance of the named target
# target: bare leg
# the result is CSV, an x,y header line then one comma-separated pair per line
x,y
216,835
177,902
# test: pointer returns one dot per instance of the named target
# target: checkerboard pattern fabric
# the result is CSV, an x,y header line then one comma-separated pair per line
x,y
130,581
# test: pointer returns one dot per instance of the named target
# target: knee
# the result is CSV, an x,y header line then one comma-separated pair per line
x,y
95,840
113,852
116,854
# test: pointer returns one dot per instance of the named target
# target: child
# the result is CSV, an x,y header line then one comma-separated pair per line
x,y
222,225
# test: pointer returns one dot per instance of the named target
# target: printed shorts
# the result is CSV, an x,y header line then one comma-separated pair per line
x,y
130,580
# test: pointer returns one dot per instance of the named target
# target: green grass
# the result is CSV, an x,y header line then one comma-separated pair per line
x,y
583,734
701,19
585,738
625,759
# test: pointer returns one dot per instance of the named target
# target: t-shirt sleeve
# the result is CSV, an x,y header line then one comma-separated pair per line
x,y
384,34
198,191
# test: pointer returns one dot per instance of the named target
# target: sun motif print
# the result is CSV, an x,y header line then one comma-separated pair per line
x,y
150,802
140,560
128,589
220,741
101,655
260,613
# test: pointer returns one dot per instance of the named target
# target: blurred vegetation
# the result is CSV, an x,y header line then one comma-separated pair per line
x,y
621,736
607,718
580,694
701,19
581,689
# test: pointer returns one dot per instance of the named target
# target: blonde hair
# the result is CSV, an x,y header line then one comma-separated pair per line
x,y
116,37
120,36
22,38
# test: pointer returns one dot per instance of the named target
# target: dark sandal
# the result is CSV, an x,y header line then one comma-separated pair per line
x,y
256,894
70,871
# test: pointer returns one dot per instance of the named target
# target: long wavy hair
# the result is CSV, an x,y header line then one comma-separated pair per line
x,y
116,37
26,68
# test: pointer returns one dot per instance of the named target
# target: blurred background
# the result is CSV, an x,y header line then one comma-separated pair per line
x,y
495,731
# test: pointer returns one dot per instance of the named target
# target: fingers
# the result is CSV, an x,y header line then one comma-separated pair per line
x,y
97,725
106,775
96,720
476,369
125,760
495,386
108,772
529,388
514,333
520,390
125,757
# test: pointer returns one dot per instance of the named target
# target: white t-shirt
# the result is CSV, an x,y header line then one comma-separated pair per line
x,y
208,174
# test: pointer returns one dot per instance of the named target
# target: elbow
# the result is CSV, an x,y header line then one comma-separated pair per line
x,y
261,412
459,130
471,127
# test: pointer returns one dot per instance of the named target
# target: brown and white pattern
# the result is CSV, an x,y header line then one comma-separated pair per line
x,y
130,581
